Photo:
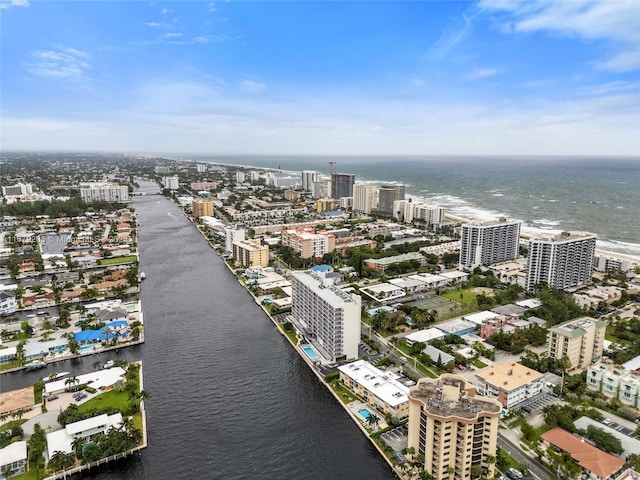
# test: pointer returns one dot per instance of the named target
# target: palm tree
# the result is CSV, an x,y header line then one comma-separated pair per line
x,y
77,445
52,375
96,365
71,381
373,420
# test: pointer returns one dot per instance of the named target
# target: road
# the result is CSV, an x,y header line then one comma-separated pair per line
x,y
536,470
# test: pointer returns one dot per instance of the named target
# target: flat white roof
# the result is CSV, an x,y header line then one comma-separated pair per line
x,y
61,440
382,287
633,364
101,378
383,385
406,282
454,274
425,335
13,452
529,303
480,317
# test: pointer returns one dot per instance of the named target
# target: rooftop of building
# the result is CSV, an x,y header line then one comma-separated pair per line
x,y
588,456
564,237
509,375
383,385
494,222
577,326
396,258
452,396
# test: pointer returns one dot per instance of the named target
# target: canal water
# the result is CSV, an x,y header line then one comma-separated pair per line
x,y
230,397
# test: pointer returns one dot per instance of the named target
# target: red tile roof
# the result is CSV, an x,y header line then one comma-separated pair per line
x,y
588,456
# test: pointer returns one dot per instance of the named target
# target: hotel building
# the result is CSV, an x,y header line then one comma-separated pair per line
x,y
328,317
561,261
365,198
489,242
510,383
380,389
251,253
451,427
580,339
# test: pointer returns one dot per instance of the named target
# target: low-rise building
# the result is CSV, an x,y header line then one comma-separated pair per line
x,y
615,381
381,264
382,390
8,303
597,464
13,459
62,440
510,383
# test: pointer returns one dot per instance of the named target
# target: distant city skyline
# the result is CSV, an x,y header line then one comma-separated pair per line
x,y
500,77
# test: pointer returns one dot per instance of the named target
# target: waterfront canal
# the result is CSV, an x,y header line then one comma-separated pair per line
x,y
230,397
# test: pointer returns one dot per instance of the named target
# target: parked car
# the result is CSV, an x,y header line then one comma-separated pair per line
x,y
51,397
514,474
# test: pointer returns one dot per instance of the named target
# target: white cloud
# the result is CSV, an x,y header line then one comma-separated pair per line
x,y
211,7
152,24
449,39
613,21
249,86
164,11
6,4
482,73
171,35
201,39
63,62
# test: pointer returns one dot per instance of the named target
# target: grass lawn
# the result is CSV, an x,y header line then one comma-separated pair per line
x,y
292,335
468,297
479,363
429,372
7,366
118,260
12,423
112,398
614,339
346,395
33,473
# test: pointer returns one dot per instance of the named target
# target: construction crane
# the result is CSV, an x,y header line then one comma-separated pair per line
x,y
331,164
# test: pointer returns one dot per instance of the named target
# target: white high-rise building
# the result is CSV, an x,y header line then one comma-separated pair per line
x,y
430,215
170,182
365,198
327,316
309,177
233,235
17,189
108,192
239,177
321,189
561,261
201,168
489,242
404,210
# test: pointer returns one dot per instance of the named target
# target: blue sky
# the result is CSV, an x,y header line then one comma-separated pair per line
x,y
313,77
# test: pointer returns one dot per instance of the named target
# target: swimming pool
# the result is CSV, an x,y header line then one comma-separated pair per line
x,y
365,413
84,348
310,352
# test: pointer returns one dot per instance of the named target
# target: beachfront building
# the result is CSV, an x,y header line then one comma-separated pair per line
x,y
233,234
581,340
596,464
387,194
13,459
307,242
428,215
328,317
489,242
615,381
510,383
560,261
202,208
452,427
251,253
365,198
107,192
342,185
309,177
607,263
381,390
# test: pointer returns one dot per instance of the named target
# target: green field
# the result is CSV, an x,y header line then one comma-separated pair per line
x,y
468,297
118,260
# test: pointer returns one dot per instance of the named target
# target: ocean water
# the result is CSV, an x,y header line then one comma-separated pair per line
x,y
549,194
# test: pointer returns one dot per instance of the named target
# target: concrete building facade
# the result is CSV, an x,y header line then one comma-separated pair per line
x,y
251,253
452,427
365,198
309,177
108,192
615,381
580,339
307,242
328,317
510,383
387,194
342,185
202,208
561,261
489,242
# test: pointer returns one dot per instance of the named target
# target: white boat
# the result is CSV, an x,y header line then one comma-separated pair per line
x,y
35,364
142,276
109,364
55,376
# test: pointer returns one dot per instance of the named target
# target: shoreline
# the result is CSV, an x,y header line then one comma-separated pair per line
x,y
304,358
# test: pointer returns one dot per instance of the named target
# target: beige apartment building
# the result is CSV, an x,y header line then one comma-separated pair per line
x,y
308,243
202,208
452,427
580,339
510,383
251,253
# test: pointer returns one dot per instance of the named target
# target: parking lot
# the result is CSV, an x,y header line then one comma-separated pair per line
x,y
533,405
619,428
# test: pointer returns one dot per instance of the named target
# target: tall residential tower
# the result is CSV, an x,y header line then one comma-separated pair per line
x,y
489,242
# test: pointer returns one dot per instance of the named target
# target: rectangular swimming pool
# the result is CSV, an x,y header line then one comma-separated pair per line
x,y
309,352
364,413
